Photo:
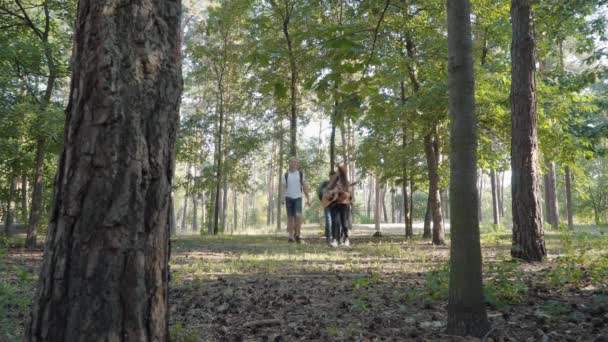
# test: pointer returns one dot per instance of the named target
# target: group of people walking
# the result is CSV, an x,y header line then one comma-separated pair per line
x,y
335,197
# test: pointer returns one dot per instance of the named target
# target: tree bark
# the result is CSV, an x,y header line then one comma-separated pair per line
x,y
105,270
377,204
501,194
235,212
569,198
224,208
551,196
428,219
528,233
332,138
23,198
466,307
392,205
434,196
480,209
185,208
410,217
10,207
495,207
280,188
194,212
383,202
203,209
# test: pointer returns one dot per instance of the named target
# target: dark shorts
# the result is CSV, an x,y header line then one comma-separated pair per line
x,y
293,206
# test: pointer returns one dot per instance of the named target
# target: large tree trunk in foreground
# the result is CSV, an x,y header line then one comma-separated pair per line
x,y
528,233
569,197
466,308
434,196
105,269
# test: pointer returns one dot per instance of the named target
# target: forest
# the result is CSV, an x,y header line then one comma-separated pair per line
x,y
145,149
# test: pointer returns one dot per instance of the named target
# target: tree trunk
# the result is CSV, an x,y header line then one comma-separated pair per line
x,y
219,176
235,212
377,204
105,270
551,198
172,223
445,203
410,217
466,307
569,198
280,188
293,87
270,189
480,209
10,207
495,209
224,206
23,198
501,194
435,199
528,233
185,207
332,138
203,210
35,211
383,202
369,196
428,218
392,205
194,212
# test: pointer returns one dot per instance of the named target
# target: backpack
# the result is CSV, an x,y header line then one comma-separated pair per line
x,y
301,180
322,189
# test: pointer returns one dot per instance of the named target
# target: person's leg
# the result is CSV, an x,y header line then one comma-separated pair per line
x,y
289,207
328,233
298,218
345,219
335,223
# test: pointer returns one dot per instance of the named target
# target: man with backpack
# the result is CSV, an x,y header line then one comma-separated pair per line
x,y
293,188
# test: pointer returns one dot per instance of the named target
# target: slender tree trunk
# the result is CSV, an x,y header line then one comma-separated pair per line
x,y
344,144
172,223
369,196
185,207
392,205
332,138
293,87
466,307
501,194
383,202
23,198
35,211
528,233
235,212
194,212
480,209
270,188
410,217
105,270
569,198
551,200
219,176
280,188
435,199
377,204
224,205
203,210
10,207
428,219
495,208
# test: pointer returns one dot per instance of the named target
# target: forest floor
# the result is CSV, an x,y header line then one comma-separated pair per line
x,y
261,288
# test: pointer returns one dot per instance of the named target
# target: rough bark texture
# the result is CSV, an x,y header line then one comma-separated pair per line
x,y
434,196
528,235
466,308
569,197
105,269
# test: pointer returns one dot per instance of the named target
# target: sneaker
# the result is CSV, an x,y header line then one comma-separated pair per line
x,y
298,240
291,240
346,242
333,243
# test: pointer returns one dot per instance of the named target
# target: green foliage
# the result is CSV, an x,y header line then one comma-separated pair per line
x,y
505,284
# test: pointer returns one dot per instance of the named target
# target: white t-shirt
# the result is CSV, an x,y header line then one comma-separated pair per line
x,y
293,186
